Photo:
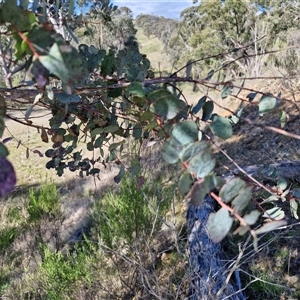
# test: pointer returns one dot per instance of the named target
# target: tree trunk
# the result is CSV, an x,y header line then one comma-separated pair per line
x,y
206,258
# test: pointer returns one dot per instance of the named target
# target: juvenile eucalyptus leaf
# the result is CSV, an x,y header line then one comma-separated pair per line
x,y
226,91
94,171
267,103
202,164
193,149
198,194
241,230
137,131
185,132
199,105
185,183
219,224
241,201
165,105
171,151
207,109
275,213
281,184
209,75
231,189
251,96
65,98
270,226
3,150
54,62
284,118
294,208
111,129
200,190
252,217
221,127
136,89
120,175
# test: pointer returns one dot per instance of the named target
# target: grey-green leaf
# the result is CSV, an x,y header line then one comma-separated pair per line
x,y
270,226
201,189
231,189
219,224
252,217
120,175
165,105
207,109
221,127
65,98
267,103
137,131
136,89
185,183
202,164
226,91
241,201
275,213
294,208
198,193
185,132
171,150
284,117
54,62
199,105
193,149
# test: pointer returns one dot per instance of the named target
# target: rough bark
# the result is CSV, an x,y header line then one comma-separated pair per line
x,y
207,259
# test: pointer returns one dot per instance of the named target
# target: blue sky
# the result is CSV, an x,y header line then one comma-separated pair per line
x,y
165,8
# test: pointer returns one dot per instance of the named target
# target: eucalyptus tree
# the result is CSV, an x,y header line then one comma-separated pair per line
x,y
106,97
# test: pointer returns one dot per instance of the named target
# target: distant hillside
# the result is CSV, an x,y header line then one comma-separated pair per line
x,y
154,50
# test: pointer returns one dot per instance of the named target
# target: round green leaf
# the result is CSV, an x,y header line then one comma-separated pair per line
x,y
267,103
221,127
193,149
120,175
165,104
3,150
137,131
199,105
185,132
136,89
185,183
226,91
207,109
171,150
231,189
201,189
202,164
242,199
219,224
252,217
